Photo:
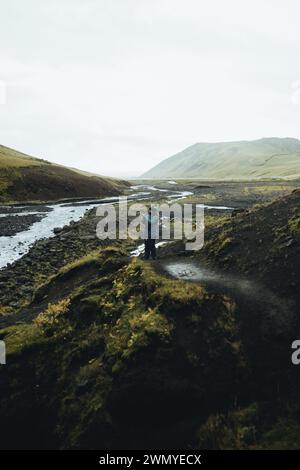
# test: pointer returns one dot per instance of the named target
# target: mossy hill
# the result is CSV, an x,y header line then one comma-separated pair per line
x,y
110,354
25,178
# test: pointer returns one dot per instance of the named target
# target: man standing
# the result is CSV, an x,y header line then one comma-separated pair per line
x,y
151,232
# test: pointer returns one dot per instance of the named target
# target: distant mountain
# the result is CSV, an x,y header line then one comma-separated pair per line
x,y
263,158
25,178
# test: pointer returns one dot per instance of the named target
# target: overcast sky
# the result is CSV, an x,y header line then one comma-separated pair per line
x,y
115,86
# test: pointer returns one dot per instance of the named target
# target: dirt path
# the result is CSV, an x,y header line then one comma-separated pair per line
x,y
249,295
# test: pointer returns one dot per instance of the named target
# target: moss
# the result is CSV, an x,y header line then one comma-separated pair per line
x,y
53,319
5,309
142,348
82,270
174,298
225,243
134,330
252,427
83,261
294,224
284,435
220,245
236,430
18,338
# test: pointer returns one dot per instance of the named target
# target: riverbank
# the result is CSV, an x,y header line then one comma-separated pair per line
x,y
33,258
12,224
19,279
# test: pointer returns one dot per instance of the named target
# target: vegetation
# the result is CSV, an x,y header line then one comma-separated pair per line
x,y
269,232
128,348
53,317
107,352
251,428
263,158
10,158
25,178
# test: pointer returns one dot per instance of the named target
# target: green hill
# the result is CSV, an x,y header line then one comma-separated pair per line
x,y
263,158
25,178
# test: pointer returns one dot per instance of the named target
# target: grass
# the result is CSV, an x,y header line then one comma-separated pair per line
x,y
10,158
54,317
128,357
21,338
294,224
263,158
83,261
127,349
25,178
123,330
250,429
268,188
236,430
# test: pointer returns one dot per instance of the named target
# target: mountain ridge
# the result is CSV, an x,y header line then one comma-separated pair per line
x,y
268,157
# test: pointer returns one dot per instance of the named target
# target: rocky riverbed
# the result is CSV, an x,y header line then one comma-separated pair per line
x,y
45,258
12,224
19,209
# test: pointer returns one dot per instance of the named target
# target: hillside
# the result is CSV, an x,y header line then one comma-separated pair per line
x,y
263,158
109,353
25,178
266,232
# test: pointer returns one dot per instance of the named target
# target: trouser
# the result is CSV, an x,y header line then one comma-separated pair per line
x,y
150,249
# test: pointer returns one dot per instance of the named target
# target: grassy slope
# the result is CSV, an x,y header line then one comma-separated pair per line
x,y
264,158
10,158
264,244
121,359
269,232
121,356
24,178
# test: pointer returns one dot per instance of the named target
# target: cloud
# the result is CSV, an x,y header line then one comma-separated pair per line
x,y
114,87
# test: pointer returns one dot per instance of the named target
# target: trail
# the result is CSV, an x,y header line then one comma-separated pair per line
x,y
248,294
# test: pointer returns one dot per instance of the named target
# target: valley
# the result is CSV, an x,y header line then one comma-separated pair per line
x,y
190,350
149,232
